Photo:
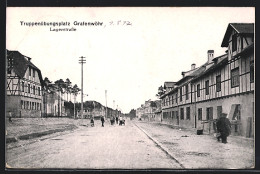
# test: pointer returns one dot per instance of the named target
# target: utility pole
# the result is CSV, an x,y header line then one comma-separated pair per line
x,y
113,104
82,60
74,106
106,102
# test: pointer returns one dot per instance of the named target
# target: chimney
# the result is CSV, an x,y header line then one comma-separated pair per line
x,y
210,55
28,58
193,66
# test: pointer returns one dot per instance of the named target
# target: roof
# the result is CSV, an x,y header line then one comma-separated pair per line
x,y
20,64
195,73
223,59
169,84
246,50
240,28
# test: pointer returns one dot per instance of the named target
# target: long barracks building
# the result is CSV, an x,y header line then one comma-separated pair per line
x,y
223,84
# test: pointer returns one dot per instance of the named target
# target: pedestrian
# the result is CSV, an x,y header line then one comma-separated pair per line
x,y
102,120
92,121
120,120
223,127
116,119
111,120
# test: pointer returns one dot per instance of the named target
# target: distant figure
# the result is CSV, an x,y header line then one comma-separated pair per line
x,y
92,122
102,121
223,127
116,119
112,120
121,121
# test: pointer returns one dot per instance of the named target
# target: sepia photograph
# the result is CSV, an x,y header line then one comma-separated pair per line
x,y
129,88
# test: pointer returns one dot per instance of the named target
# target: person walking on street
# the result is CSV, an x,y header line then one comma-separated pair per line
x,y
223,127
120,120
102,121
116,119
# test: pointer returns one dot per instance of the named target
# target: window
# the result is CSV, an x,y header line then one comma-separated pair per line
x,y
34,90
21,104
33,72
172,99
22,87
39,91
199,113
188,113
234,43
209,115
173,114
180,93
198,90
176,98
235,77
187,92
30,71
32,105
29,88
252,71
218,83
182,114
207,87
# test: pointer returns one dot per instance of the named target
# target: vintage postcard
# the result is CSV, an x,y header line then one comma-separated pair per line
x,y
130,88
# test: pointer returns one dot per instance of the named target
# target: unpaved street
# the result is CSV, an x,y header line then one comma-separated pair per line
x,y
124,147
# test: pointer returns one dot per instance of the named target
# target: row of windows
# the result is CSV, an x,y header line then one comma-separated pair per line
x,y
235,81
30,105
31,89
175,114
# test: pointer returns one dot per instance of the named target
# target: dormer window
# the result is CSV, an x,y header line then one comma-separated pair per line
x,y
234,43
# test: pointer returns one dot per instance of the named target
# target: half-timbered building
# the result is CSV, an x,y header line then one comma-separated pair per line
x,y
224,84
228,86
24,86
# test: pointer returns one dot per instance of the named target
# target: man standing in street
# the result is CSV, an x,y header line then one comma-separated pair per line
x,y
116,119
102,120
223,127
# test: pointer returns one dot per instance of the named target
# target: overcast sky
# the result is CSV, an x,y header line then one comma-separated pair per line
x,y
129,61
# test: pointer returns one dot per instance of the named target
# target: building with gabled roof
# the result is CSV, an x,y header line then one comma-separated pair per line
x,y
224,84
24,86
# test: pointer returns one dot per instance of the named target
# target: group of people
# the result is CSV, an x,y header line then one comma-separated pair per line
x,y
112,120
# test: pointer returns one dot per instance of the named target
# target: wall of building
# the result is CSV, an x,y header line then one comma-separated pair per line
x,y
246,103
13,103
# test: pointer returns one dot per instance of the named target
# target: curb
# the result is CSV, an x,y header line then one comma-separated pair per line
x,y
161,146
37,134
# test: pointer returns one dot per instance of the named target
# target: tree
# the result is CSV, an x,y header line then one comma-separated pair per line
x,y
161,91
45,91
75,91
67,86
60,84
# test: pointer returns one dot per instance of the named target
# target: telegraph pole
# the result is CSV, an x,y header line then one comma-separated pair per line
x,y
106,102
82,60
